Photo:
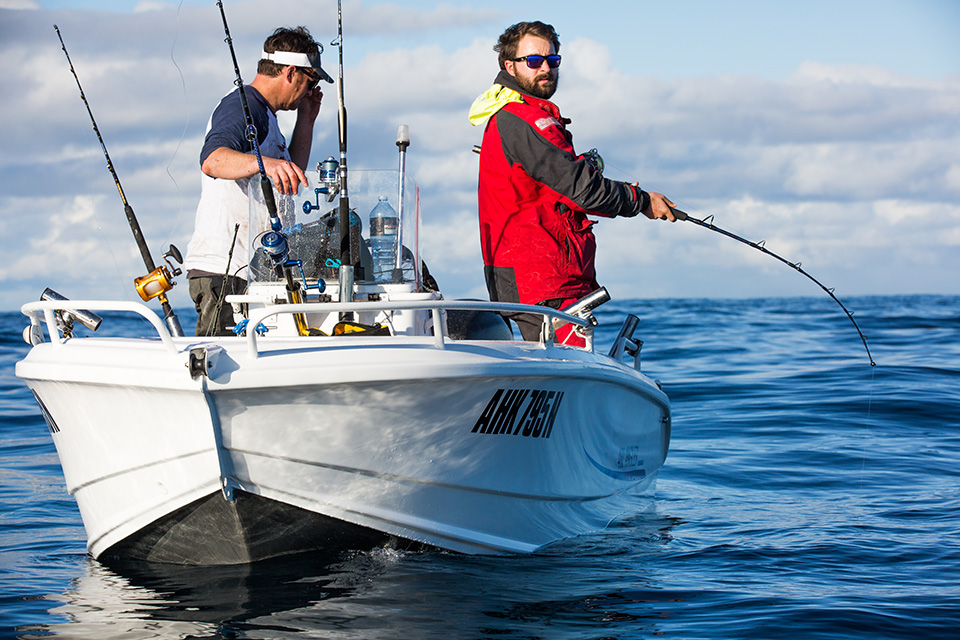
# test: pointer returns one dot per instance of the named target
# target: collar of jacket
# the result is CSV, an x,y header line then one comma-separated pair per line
x,y
504,91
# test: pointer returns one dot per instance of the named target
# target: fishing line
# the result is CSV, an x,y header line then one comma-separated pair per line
x,y
183,134
863,456
118,272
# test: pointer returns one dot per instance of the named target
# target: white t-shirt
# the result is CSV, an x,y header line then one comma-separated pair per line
x,y
227,203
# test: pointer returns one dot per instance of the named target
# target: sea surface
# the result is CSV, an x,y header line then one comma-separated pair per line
x,y
806,495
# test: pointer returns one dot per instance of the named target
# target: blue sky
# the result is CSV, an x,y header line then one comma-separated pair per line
x,y
828,129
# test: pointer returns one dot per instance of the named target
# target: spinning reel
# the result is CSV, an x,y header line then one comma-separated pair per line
x,y
329,171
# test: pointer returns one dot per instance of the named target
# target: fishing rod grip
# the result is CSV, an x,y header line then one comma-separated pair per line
x,y
678,214
267,187
138,237
345,240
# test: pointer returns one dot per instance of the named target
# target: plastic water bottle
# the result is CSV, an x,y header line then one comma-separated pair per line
x,y
383,240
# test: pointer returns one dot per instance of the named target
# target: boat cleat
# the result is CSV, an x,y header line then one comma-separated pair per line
x,y
202,360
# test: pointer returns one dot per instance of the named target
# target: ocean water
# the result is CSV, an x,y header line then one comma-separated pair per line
x,y
806,495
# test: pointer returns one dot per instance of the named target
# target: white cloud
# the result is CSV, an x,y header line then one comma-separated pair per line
x,y
145,6
19,4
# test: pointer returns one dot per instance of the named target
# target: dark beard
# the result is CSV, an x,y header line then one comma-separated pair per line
x,y
537,89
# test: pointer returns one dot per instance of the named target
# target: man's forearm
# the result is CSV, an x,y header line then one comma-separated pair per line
x,y
229,164
300,143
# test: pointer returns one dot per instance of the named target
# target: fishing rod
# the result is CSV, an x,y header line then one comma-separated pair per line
x,y
274,242
707,223
159,279
350,268
265,185
346,244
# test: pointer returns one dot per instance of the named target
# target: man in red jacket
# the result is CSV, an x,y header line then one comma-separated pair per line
x,y
535,191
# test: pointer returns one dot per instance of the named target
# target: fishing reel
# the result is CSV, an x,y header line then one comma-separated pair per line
x,y
274,247
329,171
594,160
160,280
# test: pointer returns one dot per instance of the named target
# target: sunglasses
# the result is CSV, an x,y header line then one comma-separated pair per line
x,y
312,76
535,62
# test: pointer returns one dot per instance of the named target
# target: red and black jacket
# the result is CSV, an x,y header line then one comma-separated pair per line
x,y
534,194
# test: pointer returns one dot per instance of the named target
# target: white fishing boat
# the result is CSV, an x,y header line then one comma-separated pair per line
x,y
232,449
357,405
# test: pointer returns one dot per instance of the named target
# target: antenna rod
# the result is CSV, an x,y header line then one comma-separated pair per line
x,y
171,318
403,141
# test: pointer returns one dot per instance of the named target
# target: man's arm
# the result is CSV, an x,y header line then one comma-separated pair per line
x,y
229,164
302,138
572,177
560,170
224,150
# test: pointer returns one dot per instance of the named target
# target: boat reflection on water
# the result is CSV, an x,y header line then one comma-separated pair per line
x,y
131,599
382,593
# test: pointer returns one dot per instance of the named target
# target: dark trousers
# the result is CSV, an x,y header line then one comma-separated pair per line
x,y
215,315
531,324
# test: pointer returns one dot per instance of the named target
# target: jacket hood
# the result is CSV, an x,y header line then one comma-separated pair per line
x,y
504,91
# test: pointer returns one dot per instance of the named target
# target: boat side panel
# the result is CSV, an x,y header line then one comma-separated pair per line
x,y
498,464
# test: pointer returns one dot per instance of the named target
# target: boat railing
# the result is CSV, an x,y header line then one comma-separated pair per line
x,y
47,311
552,318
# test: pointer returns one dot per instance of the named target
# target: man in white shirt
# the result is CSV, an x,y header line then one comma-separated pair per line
x,y
287,78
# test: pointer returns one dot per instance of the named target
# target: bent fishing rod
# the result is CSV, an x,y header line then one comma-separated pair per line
x,y
159,279
707,223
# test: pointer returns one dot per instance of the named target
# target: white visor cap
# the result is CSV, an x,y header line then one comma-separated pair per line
x,y
308,60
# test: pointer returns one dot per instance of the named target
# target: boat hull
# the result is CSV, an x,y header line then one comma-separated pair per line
x,y
450,478
479,447
132,433
214,531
